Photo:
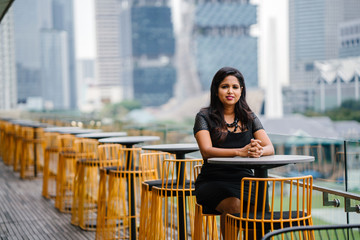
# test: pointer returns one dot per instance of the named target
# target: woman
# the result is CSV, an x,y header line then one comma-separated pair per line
x,y
227,128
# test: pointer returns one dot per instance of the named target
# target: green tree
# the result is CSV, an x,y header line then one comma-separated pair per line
x,y
119,110
349,110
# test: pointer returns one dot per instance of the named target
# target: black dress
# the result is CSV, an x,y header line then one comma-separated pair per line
x,y
219,181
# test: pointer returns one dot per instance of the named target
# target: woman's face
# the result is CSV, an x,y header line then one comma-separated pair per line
x,y
229,91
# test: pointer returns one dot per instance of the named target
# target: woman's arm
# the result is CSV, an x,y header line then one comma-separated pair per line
x,y
207,150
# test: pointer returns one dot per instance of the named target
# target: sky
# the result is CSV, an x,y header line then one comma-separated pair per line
x,y
85,29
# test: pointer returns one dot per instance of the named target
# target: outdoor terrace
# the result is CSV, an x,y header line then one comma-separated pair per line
x,y
25,214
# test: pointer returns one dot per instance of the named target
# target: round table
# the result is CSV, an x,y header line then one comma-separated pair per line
x,y
179,149
262,164
76,131
129,142
59,129
99,135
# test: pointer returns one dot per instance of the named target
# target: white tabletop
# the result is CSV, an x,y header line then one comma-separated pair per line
x,y
129,139
262,164
177,147
265,160
98,135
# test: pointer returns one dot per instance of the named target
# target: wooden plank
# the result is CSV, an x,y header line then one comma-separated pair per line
x,y
25,214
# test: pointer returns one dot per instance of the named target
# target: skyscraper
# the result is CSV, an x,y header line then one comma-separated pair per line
x,y
35,21
349,38
222,38
153,49
136,47
55,85
7,63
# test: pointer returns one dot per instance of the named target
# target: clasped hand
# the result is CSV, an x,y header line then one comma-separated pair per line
x,y
254,149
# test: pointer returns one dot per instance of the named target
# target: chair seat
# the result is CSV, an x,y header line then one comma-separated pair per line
x,y
172,189
117,168
279,220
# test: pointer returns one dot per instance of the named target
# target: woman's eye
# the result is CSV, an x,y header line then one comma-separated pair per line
x,y
224,86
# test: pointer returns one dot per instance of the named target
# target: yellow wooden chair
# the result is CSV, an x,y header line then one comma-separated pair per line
x,y
11,136
51,158
32,147
109,153
18,147
151,166
65,173
89,184
2,138
27,156
288,205
173,203
85,183
124,183
207,222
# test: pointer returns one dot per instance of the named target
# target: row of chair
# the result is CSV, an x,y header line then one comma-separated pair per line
x,y
93,182
20,146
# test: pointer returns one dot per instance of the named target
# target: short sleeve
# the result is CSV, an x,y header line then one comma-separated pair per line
x,y
256,124
200,123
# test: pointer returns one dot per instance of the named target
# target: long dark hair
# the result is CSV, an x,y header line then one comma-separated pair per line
x,y
216,108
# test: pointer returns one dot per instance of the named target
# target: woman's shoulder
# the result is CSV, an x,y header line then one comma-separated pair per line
x,y
204,112
201,121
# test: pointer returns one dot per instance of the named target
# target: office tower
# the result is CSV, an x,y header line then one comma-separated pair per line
x,y
153,49
222,38
34,22
7,63
313,30
54,70
349,38
63,20
109,63
88,94
135,50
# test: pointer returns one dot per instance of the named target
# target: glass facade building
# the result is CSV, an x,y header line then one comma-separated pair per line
x,y
222,38
136,48
8,83
153,49
34,22
349,38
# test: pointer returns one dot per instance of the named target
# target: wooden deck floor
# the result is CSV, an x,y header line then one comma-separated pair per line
x,y
25,214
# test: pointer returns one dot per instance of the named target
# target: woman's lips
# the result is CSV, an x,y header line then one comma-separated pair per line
x,y
229,98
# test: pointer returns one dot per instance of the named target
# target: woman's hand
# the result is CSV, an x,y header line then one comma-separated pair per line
x,y
254,148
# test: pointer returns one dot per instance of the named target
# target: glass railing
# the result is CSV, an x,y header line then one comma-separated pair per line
x,y
336,173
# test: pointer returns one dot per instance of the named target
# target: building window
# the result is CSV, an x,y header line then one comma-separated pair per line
x,y
309,67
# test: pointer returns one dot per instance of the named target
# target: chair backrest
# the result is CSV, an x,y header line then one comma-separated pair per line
x,y
66,142
130,158
151,164
27,133
172,174
86,148
326,232
288,203
109,154
52,140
